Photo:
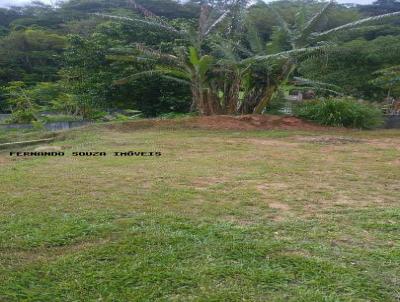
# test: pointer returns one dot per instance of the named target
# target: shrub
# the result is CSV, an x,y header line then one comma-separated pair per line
x,y
343,112
23,115
38,125
22,105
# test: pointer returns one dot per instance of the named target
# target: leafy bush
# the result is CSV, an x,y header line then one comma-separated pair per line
x,y
38,125
23,115
340,112
23,107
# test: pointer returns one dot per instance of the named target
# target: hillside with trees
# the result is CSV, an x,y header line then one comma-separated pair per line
x,y
200,150
86,58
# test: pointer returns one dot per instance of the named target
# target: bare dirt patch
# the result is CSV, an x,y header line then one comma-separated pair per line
x,y
206,182
279,206
330,140
296,253
385,143
272,185
265,142
48,149
4,160
283,208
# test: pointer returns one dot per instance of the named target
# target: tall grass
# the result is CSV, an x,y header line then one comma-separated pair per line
x,y
341,112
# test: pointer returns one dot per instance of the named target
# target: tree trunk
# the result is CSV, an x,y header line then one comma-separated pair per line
x,y
233,96
205,101
251,100
287,70
212,105
266,99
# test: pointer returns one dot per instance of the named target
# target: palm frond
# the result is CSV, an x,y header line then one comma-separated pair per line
x,y
148,14
357,23
159,71
253,37
395,68
300,17
149,54
174,72
142,21
179,80
156,54
225,49
284,25
137,76
289,53
205,63
145,12
216,22
308,83
314,22
321,89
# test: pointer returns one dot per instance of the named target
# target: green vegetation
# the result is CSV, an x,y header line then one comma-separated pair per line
x,y
271,215
341,113
389,78
88,59
221,216
17,135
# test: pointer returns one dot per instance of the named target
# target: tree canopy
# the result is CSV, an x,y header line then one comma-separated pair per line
x,y
213,57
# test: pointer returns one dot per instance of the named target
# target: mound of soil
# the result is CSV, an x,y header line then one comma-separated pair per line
x,y
252,122
225,122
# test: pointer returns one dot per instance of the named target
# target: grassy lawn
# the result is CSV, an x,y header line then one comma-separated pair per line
x,y
221,216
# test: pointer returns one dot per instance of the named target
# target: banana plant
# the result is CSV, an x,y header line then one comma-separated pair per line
x,y
188,64
305,39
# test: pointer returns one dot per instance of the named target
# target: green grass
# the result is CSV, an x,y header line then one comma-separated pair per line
x,y
15,135
221,216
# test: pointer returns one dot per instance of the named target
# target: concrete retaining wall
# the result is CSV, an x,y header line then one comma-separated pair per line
x,y
392,122
4,117
25,143
50,126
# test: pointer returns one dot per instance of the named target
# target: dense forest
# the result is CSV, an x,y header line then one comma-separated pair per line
x,y
89,57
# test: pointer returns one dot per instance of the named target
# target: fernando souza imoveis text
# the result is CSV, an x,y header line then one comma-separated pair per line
x,y
86,154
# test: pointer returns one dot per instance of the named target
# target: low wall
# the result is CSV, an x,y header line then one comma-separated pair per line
x,y
25,143
392,122
4,117
50,126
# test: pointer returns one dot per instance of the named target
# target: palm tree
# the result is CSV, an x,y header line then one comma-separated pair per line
x,y
238,80
305,39
188,64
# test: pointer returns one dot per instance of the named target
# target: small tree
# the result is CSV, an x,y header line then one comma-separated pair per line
x,y
388,79
21,104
